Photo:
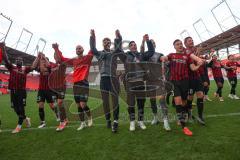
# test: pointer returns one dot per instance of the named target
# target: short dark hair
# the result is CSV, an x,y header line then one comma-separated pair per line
x,y
106,39
231,55
185,39
177,40
131,43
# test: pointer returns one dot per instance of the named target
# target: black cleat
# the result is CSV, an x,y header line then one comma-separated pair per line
x,y
115,127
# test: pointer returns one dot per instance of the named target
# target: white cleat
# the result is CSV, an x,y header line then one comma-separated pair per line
x,y
207,98
28,122
82,126
166,125
221,99
235,97
231,96
16,130
90,122
61,127
142,125
155,120
132,126
42,125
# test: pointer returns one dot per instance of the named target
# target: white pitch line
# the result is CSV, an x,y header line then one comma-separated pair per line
x,y
76,125
223,115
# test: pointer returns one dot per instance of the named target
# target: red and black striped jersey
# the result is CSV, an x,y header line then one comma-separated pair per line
x,y
18,77
193,75
231,73
57,77
216,69
43,82
179,66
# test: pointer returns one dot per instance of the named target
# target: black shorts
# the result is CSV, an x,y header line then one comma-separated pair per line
x,y
232,80
195,86
181,88
205,78
219,80
45,95
81,91
18,98
58,94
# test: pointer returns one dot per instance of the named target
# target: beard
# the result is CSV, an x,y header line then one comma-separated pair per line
x,y
19,64
79,53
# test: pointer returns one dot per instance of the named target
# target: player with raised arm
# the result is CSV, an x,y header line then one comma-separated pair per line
x,y
195,82
109,83
216,67
157,76
203,71
57,85
134,81
81,66
44,93
17,86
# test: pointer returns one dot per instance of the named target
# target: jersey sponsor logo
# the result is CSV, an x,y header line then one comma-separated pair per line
x,y
180,61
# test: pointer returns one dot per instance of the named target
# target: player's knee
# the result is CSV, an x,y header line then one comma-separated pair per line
x,y
220,85
51,105
200,94
205,84
178,100
41,105
190,97
82,104
60,103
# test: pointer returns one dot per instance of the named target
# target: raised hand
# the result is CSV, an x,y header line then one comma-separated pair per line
x,y
55,46
2,45
92,32
117,33
39,54
212,50
146,37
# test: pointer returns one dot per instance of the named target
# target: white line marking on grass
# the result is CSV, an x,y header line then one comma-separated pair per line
x,y
123,122
223,115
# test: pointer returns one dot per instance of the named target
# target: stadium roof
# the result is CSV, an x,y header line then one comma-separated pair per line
x,y
13,54
226,39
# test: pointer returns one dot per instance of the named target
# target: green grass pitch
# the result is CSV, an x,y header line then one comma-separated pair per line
x,y
219,139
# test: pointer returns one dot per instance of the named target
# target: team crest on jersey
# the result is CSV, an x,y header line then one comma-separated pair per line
x,y
188,51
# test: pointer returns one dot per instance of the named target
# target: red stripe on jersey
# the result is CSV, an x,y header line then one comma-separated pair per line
x,y
57,77
43,82
202,69
193,75
216,69
231,73
18,77
179,66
